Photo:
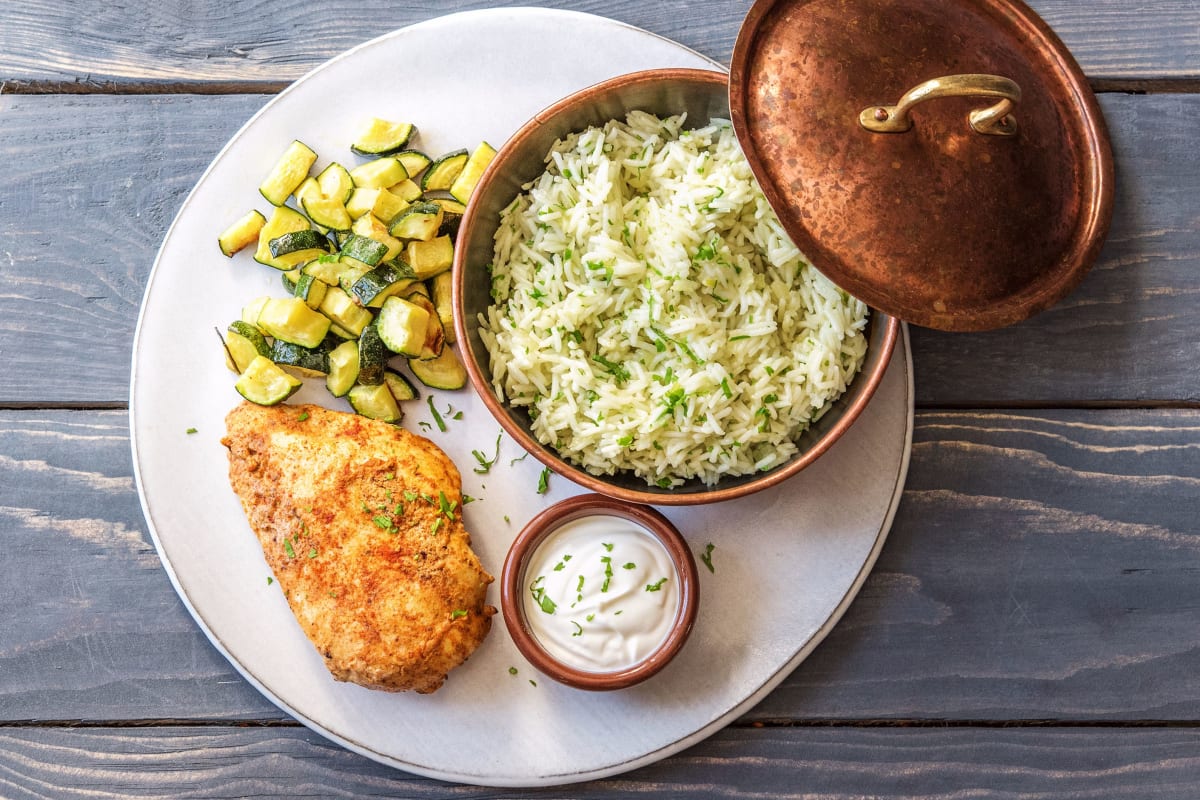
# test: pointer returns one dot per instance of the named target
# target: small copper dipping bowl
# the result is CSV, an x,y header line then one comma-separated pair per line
x,y
513,586
703,95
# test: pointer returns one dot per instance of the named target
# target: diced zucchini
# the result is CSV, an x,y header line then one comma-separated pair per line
x,y
290,319
402,326
288,279
443,372
297,247
309,289
354,270
429,258
449,205
342,310
381,203
306,362
379,174
382,138
283,220
441,290
442,172
328,212
413,160
369,251
367,225
402,388
372,357
375,402
372,288
266,384
464,184
327,269
243,343
251,310
408,191
418,221
288,173
435,336
242,233
336,183
343,368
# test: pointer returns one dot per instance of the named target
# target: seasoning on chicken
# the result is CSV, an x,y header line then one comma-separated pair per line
x,y
361,523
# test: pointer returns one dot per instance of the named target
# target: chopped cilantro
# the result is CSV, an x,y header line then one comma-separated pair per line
x,y
654,587
485,463
457,613
437,417
303,416
287,548
270,580
190,431
512,670
384,522
706,556
544,481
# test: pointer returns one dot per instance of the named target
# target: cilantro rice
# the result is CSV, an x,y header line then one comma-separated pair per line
x,y
652,315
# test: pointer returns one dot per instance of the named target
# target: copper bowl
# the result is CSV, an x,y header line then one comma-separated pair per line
x,y
513,587
703,95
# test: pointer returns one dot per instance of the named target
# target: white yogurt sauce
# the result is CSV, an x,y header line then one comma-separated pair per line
x,y
600,593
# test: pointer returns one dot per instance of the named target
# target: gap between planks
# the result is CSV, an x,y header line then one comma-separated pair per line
x,y
87,85
747,725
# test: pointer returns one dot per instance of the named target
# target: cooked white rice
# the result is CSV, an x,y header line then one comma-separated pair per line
x,y
653,315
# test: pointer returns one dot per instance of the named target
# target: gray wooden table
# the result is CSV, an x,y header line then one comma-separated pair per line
x,y
1031,628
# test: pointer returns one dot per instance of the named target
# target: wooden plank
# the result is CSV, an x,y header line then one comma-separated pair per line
x,y
92,627
94,183
211,41
1042,565
1129,329
825,763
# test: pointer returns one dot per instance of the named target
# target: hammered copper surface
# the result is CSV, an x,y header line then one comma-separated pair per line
x,y
939,225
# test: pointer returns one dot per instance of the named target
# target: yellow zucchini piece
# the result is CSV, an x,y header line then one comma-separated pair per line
x,y
370,226
402,326
290,319
283,220
242,233
464,184
265,383
379,137
288,173
378,174
443,372
344,312
429,258
440,288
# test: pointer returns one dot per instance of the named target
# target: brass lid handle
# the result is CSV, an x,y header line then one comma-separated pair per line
x,y
994,120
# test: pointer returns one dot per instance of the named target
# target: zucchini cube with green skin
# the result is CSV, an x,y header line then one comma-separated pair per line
x,y
402,326
443,372
380,203
265,383
340,308
441,173
408,191
379,174
288,173
290,319
343,368
369,226
375,402
243,343
242,233
413,160
283,221
336,183
379,137
418,221
435,335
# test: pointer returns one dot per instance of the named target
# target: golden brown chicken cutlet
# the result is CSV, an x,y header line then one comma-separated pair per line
x,y
361,523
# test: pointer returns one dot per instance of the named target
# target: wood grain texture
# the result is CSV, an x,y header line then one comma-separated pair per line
x,y
259,40
802,763
119,168
1041,566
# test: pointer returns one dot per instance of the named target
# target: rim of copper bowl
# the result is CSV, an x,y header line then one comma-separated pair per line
x,y
482,383
550,520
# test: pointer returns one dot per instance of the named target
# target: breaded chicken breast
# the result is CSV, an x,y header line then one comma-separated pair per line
x,y
361,523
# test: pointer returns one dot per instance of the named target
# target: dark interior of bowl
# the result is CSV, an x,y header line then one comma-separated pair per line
x,y
702,96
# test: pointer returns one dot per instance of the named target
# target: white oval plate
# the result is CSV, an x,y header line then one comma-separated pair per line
x,y
788,561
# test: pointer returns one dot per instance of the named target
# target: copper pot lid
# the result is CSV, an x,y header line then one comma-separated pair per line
x,y
988,193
